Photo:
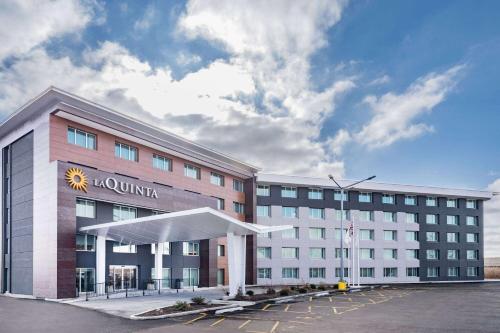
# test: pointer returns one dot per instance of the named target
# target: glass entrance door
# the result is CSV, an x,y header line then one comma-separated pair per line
x,y
85,279
123,277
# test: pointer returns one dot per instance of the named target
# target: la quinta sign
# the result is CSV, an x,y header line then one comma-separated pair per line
x,y
122,187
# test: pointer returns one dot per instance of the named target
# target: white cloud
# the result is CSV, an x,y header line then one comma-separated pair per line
x,y
186,59
147,19
26,24
492,222
380,80
394,115
337,143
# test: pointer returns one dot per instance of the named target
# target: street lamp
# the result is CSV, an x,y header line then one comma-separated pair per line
x,y
342,189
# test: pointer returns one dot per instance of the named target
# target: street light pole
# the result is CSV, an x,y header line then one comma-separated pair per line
x,y
342,191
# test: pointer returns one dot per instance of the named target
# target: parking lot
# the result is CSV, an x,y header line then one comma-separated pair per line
x,y
471,307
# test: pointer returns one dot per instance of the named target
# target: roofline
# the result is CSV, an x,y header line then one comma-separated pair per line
x,y
268,178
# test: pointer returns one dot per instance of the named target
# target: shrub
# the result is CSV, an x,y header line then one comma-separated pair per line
x,y
198,300
293,288
250,292
313,286
302,290
181,306
270,291
284,292
321,287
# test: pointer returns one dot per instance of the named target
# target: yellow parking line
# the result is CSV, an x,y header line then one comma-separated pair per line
x,y
310,299
309,309
244,324
287,307
274,327
203,315
330,299
266,307
217,322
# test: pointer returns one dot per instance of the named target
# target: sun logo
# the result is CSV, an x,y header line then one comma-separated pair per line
x,y
76,179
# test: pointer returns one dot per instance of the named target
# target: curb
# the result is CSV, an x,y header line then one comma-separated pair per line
x,y
180,314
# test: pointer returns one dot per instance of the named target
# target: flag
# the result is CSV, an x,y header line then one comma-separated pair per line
x,y
348,235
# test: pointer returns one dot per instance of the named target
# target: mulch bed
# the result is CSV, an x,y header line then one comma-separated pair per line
x,y
262,297
171,309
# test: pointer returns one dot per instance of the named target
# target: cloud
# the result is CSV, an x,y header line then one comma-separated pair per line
x,y
186,59
144,23
337,143
26,24
394,115
380,80
492,222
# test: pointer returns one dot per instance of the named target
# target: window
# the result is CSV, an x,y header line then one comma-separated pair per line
x,y
367,272
366,215
264,235
124,213
85,279
264,252
165,272
412,271
346,216
470,203
238,185
431,219
338,252
411,218
338,234
472,254
412,254
412,236
124,248
390,235
433,272
263,191
162,163
389,217
216,179
290,212
390,254
390,272
365,197
410,200
366,234
221,250
431,202
220,203
388,199
337,195
316,233
452,255
192,171
472,221
472,271
85,242
290,273
431,236
317,273
452,219
238,207
452,237
165,248
288,192
316,213
451,203
191,248
315,194
472,238
190,277
317,253
263,211
367,254
347,271
81,138
290,252
453,271
264,273
85,208
432,254
290,233
126,152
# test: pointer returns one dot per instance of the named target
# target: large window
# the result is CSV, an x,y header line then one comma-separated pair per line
x,y
191,277
290,233
290,252
165,277
288,192
317,273
124,248
431,219
472,221
124,213
433,272
316,213
126,152
451,203
165,246
390,272
452,237
238,207
411,254
390,235
191,248
411,218
367,254
85,242
347,272
338,252
290,273
192,171
472,254
390,254
452,255
452,219
162,163
85,208
264,252
431,201
389,217
388,199
472,238
346,216
85,279
367,272
470,203
432,254
337,195
366,215
216,179
412,236
365,197
317,253
263,211
472,271
412,271
366,234
432,236
316,233
453,271
290,212
410,200
264,273
263,191
315,194
81,138
238,185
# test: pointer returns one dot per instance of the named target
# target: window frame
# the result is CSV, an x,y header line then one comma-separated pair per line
x,y
220,179
188,168
87,134
130,148
165,161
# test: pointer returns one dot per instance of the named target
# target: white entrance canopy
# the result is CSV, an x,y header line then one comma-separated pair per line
x,y
187,225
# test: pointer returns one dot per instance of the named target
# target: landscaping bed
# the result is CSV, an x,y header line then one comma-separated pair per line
x,y
197,303
284,292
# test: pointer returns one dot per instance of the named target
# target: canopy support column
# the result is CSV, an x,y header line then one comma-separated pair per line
x,y
236,253
100,264
159,263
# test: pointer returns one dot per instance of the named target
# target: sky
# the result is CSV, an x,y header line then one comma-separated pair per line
x,y
405,90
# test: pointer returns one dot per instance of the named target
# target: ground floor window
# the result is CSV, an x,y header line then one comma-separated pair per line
x,y
220,276
165,279
412,272
191,277
317,273
290,273
367,272
433,272
453,271
264,273
85,279
122,277
347,271
472,271
390,272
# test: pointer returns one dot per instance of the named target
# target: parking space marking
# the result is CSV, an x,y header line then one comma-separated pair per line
x,y
244,324
265,307
201,316
274,327
287,307
218,322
